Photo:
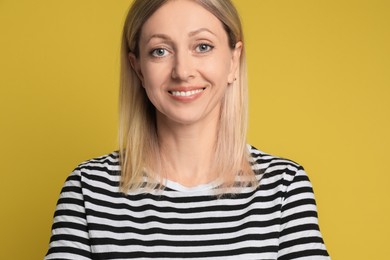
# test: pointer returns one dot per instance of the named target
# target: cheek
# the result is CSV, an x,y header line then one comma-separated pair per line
x,y
149,81
151,90
217,70
155,74
153,83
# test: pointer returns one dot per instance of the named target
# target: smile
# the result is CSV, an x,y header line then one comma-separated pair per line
x,y
185,93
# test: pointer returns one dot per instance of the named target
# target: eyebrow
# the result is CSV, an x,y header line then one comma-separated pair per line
x,y
160,36
193,33
167,38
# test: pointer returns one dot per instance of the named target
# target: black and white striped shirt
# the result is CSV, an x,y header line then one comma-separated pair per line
x,y
276,220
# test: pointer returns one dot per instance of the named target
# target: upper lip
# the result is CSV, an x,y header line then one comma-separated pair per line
x,y
184,89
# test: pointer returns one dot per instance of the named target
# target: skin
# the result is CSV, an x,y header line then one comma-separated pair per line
x,y
186,65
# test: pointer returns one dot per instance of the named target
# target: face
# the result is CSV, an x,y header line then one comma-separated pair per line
x,y
185,63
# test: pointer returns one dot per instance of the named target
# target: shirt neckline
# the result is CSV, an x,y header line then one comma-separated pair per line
x,y
198,188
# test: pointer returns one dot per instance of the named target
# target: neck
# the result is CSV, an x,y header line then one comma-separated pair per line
x,y
187,151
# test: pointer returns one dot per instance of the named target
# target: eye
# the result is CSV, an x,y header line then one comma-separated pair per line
x,y
159,52
204,47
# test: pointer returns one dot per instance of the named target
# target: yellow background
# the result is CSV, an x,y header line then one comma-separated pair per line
x,y
320,95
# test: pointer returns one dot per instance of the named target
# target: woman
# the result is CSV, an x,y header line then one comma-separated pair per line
x,y
184,184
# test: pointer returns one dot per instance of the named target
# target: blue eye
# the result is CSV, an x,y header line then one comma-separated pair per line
x,y
203,47
160,52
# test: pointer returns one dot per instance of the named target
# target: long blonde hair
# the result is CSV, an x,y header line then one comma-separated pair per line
x,y
138,143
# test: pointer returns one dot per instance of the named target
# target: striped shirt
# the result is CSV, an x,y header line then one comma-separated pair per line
x,y
275,220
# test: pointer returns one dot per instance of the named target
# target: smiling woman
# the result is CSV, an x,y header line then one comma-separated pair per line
x,y
184,183
178,85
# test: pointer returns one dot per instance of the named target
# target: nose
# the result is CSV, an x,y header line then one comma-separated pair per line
x,y
183,68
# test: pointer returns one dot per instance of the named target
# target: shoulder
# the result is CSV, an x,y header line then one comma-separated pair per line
x,y
265,162
108,162
274,169
102,169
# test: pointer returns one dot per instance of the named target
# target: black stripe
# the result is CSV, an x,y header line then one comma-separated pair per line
x,y
183,232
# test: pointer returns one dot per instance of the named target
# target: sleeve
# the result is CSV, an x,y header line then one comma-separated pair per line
x,y
300,236
69,234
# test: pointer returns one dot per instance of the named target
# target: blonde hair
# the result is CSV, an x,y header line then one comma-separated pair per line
x,y
138,143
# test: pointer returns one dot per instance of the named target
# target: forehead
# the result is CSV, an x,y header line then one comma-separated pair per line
x,y
181,17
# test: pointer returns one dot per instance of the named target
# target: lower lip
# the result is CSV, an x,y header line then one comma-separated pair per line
x,y
188,98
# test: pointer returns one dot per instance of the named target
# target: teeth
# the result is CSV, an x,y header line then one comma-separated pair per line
x,y
185,93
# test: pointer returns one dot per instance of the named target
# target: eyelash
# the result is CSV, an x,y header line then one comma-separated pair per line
x,y
154,52
208,46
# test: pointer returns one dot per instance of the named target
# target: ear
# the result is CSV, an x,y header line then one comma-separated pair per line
x,y
235,62
135,64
